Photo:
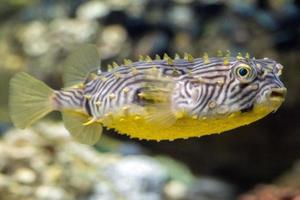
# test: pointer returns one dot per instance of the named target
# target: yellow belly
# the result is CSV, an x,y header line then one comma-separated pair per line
x,y
185,127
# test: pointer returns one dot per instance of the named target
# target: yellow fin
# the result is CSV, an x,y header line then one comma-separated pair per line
x,y
155,95
88,133
80,63
158,102
160,115
29,100
157,92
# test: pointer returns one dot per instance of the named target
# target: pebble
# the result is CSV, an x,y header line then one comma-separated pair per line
x,y
175,190
93,10
33,37
112,40
45,192
207,188
25,176
138,177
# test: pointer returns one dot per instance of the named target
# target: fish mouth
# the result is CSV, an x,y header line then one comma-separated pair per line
x,y
277,94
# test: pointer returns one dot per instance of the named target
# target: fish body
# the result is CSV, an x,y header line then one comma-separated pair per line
x,y
162,99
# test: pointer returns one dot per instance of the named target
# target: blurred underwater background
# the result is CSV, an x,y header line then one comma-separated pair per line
x,y
259,161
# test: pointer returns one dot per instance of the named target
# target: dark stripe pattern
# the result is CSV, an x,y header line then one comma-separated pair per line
x,y
201,87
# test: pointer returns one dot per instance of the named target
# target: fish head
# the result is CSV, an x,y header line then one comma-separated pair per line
x,y
271,89
254,83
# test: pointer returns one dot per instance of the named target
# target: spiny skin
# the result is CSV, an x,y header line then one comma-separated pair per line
x,y
169,99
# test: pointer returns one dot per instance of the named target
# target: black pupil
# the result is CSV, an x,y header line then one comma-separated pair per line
x,y
243,72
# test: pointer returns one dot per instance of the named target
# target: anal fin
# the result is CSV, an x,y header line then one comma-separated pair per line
x,y
86,133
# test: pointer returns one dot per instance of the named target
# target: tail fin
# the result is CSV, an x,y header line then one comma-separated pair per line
x,y
29,100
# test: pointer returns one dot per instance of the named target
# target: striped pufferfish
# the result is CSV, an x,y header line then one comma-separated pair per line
x,y
160,99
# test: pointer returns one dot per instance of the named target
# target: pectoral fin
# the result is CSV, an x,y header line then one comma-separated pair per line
x,y
160,115
86,133
157,99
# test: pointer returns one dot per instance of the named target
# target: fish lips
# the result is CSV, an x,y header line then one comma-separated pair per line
x,y
277,94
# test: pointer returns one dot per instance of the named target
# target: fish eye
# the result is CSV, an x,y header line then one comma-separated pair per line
x,y
245,73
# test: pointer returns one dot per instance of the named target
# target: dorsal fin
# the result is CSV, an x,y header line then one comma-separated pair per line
x,y
80,63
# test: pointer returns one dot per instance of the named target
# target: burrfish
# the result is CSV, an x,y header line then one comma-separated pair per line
x,y
154,98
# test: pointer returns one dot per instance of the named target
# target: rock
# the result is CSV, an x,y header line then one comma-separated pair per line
x,y
56,133
25,176
92,10
176,170
45,163
138,177
72,30
291,178
5,181
104,191
130,148
20,190
112,41
50,193
52,174
203,188
175,190
183,1
206,188
287,186
38,38
119,4
271,192
136,8
181,16
34,38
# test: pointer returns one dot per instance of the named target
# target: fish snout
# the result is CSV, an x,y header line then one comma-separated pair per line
x,y
277,94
